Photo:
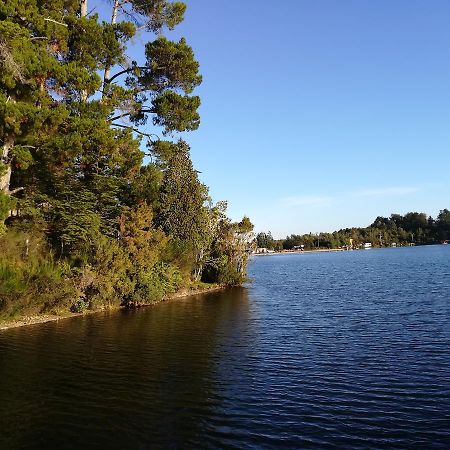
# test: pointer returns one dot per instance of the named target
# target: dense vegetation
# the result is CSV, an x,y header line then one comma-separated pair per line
x,y
412,228
95,209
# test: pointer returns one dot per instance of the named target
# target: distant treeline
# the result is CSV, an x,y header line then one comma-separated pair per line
x,y
412,228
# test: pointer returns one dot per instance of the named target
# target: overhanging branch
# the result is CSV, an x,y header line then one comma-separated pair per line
x,y
136,130
130,69
145,110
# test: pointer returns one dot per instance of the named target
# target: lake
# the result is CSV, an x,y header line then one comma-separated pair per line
x,y
322,350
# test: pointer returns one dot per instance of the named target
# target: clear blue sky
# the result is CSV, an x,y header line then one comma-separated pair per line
x,y
322,114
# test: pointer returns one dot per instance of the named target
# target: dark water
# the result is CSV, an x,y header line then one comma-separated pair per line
x,y
339,350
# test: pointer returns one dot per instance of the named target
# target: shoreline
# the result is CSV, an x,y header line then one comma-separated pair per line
x,y
46,318
299,252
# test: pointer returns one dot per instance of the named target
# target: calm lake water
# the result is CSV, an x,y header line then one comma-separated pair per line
x,y
332,350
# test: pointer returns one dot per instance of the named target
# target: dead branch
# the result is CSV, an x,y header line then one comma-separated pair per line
x,y
55,21
16,190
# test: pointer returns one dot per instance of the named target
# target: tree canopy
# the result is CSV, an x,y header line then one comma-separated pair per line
x,y
78,120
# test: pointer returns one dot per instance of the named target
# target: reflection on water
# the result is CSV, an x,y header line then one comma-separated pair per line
x,y
348,350
122,380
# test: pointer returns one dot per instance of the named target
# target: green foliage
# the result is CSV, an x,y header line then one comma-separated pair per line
x,y
181,212
31,281
412,228
84,224
106,280
265,240
22,157
79,306
225,271
159,13
75,221
171,65
144,245
153,285
230,275
443,225
228,256
176,112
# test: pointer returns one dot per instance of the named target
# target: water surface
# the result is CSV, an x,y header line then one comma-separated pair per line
x,y
337,350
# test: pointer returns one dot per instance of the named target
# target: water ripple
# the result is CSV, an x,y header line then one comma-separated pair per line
x,y
329,351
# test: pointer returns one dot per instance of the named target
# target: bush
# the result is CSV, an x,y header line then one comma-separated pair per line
x,y
6,204
79,306
153,285
223,271
30,280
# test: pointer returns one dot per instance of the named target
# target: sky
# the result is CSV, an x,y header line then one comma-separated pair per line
x,y
321,114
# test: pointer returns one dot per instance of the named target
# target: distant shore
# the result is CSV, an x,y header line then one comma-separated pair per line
x,y
290,252
45,318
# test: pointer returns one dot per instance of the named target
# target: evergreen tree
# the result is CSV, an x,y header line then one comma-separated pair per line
x,y
74,118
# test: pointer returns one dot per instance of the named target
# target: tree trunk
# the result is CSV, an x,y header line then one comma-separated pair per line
x,y
83,13
5,159
83,8
107,73
199,270
5,178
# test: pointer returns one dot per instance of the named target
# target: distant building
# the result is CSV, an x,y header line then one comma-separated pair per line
x,y
264,250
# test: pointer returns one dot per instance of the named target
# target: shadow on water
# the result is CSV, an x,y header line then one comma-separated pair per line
x,y
132,379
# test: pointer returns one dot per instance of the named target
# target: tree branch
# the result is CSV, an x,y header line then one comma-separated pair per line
x,y
55,21
16,190
130,69
136,130
145,110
